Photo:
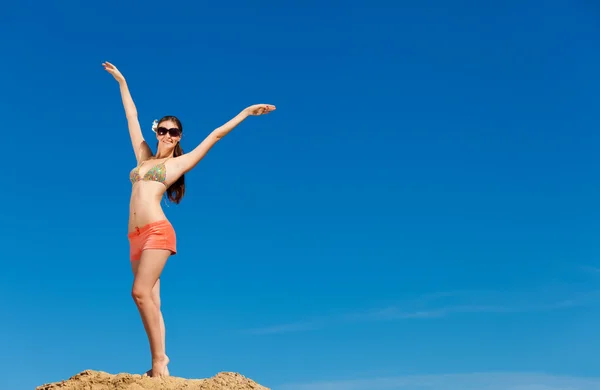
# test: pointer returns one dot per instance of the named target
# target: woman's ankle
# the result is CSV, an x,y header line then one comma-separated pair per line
x,y
160,358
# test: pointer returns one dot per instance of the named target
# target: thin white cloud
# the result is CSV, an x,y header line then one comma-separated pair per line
x,y
470,381
285,328
590,269
444,304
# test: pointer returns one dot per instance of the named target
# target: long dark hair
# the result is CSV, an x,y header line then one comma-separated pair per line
x,y
176,190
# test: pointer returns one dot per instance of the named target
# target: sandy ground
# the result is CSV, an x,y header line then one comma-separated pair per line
x,y
98,380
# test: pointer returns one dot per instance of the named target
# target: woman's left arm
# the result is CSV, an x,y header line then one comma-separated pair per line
x,y
189,160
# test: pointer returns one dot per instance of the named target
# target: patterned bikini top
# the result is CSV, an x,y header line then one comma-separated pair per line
x,y
156,173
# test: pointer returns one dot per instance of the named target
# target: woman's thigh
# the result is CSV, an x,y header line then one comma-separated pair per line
x,y
148,268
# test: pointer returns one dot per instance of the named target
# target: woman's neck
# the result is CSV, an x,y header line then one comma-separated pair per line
x,y
160,155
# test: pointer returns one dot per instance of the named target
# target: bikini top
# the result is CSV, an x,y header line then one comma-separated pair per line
x,y
156,173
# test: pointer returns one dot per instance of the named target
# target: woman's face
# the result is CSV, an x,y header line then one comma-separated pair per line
x,y
168,134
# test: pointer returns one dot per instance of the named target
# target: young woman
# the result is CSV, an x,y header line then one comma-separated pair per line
x,y
151,236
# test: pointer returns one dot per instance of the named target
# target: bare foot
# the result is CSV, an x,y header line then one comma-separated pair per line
x,y
149,372
159,367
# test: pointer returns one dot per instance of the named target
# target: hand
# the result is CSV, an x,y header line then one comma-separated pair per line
x,y
259,109
110,68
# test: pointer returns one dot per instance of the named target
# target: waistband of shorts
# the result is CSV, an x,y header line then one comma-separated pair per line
x,y
148,226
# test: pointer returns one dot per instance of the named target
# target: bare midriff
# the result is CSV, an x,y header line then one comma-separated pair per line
x,y
144,205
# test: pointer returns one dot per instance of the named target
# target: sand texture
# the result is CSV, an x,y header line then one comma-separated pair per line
x,y
98,380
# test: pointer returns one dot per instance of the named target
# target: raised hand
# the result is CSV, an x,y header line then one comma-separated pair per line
x,y
110,68
260,109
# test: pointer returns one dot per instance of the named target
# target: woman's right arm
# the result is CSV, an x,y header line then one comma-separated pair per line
x,y
140,147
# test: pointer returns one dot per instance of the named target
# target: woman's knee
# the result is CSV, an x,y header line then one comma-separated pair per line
x,y
141,294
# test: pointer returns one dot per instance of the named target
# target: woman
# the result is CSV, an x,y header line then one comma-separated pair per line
x,y
151,236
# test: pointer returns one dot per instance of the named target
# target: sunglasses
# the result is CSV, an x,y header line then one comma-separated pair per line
x,y
173,131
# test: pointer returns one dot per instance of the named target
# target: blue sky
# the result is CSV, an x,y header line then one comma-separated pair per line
x,y
419,213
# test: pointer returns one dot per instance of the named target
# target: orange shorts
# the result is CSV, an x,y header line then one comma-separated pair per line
x,y
155,235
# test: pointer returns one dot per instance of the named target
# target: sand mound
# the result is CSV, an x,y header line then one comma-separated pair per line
x,y
98,380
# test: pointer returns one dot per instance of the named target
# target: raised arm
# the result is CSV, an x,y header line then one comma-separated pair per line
x,y
140,147
189,160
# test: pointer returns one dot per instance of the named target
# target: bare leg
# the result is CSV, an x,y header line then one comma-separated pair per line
x,y
146,276
156,300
